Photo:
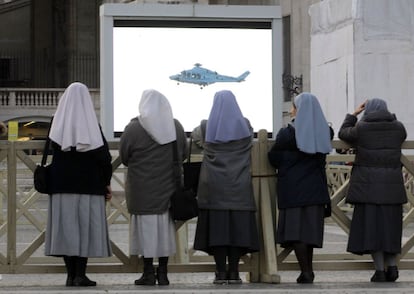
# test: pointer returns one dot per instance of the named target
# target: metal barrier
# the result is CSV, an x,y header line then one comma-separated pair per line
x,y
23,215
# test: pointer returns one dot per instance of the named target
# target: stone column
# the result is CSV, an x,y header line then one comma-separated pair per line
x,y
362,49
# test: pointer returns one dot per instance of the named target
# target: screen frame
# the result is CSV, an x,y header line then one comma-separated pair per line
x,y
137,14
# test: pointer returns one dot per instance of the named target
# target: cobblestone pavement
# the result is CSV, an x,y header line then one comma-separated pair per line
x,y
335,282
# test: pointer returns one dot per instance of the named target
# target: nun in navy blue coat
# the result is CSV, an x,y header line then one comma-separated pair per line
x,y
299,155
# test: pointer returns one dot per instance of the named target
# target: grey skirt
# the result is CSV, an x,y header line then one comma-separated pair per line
x,y
152,235
301,224
376,228
77,226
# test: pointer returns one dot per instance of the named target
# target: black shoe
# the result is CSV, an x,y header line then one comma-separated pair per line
x,y
379,276
147,279
305,278
392,273
162,277
83,282
234,278
221,278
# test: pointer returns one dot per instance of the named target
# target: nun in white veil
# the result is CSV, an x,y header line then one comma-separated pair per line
x,y
80,184
146,149
299,155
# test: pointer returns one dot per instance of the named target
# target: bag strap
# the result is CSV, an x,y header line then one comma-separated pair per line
x,y
46,148
189,149
176,166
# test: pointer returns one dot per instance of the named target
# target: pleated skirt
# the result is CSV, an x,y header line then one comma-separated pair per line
x,y
226,228
376,228
301,224
152,235
77,226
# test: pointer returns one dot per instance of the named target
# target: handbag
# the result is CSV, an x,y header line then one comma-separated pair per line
x,y
184,204
41,175
191,171
41,178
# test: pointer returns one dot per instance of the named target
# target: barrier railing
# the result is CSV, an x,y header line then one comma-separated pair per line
x,y
23,215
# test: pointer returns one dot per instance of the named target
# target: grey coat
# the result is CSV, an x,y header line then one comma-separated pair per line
x,y
376,174
225,180
150,181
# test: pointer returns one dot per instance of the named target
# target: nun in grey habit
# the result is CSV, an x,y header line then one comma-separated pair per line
x,y
80,184
146,148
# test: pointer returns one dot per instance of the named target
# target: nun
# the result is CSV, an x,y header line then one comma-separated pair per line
x,y
376,187
299,155
146,148
80,184
226,226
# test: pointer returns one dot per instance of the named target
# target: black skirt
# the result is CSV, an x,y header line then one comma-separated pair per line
x,y
301,224
233,228
376,228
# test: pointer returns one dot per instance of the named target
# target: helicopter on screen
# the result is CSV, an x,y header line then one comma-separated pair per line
x,y
204,77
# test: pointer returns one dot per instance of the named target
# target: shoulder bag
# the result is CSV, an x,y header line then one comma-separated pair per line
x,y
191,171
184,204
41,175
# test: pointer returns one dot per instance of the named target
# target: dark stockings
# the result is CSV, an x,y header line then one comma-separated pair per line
x,y
232,254
234,257
310,257
223,253
304,255
220,255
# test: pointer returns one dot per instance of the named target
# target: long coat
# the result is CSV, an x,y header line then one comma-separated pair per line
x,y
376,174
225,180
301,177
150,181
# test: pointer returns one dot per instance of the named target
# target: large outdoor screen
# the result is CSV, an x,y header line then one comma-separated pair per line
x,y
188,53
145,57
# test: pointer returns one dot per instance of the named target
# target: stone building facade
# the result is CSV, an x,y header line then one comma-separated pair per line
x,y
50,43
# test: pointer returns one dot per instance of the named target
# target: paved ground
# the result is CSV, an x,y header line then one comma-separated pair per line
x,y
332,282
335,282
